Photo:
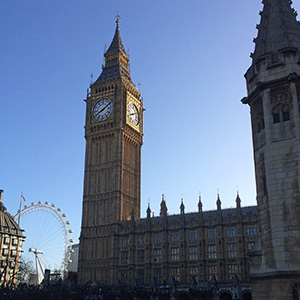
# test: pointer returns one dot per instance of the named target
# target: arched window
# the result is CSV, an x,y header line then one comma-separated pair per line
x,y
285,112
280,107
276,115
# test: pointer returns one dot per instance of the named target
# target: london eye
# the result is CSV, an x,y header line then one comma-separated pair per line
x,y
47,229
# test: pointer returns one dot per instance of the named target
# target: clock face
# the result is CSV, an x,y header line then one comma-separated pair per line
x,y
102,110
133,114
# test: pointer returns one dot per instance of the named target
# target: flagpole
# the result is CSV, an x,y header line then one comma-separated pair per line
x,y
19,217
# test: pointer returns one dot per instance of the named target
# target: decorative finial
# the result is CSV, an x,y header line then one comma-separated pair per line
x,y
182,205
238,200
92,78
148,211
118,17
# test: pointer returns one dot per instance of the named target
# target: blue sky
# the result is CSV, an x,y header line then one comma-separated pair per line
x,y
189,57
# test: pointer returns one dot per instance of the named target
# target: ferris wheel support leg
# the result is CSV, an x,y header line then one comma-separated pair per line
x,y
37,269
41,266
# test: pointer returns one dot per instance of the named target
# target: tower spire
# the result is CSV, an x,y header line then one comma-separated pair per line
x,y
116,60
278,28
116,43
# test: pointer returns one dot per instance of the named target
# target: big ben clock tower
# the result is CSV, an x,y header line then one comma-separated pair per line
x,y
112,178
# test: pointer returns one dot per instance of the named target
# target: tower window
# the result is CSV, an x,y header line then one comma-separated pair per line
x,y
175,254
157,238
232,269
174,236
193,235
193,271
230,232
250,245
175,273
157,255
211,234
193,252
212,271
125,241
250,230
212,251
276,118
231,250
286,116
124,256
141,240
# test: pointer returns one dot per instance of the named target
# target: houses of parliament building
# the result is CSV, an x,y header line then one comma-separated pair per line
x,y
260,243
115,243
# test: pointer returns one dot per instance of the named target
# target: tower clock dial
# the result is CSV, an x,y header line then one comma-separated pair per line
x,y
133,114
102,109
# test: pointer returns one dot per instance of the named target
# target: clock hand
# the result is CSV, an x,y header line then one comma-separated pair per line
x,y
104,108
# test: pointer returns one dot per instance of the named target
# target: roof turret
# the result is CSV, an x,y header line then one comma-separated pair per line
x,y
238,200
278,28
218,202
148,211
200,205
182,207
163,207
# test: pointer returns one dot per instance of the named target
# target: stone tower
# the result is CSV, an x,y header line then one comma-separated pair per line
x,y
273,96
112,178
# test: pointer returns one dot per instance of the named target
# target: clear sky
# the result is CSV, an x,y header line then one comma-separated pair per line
x,y
189,57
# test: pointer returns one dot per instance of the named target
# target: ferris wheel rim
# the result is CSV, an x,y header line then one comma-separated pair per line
x,y
64,225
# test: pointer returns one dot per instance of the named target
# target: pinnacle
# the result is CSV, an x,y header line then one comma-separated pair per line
x,y
116,44
278,28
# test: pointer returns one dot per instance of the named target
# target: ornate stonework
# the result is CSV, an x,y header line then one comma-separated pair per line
x,y
273,83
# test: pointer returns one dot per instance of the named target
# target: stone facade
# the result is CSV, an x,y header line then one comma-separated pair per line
x,y
273,83
112,180
201,245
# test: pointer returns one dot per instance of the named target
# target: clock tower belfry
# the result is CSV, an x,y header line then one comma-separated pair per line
x,y
112,176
